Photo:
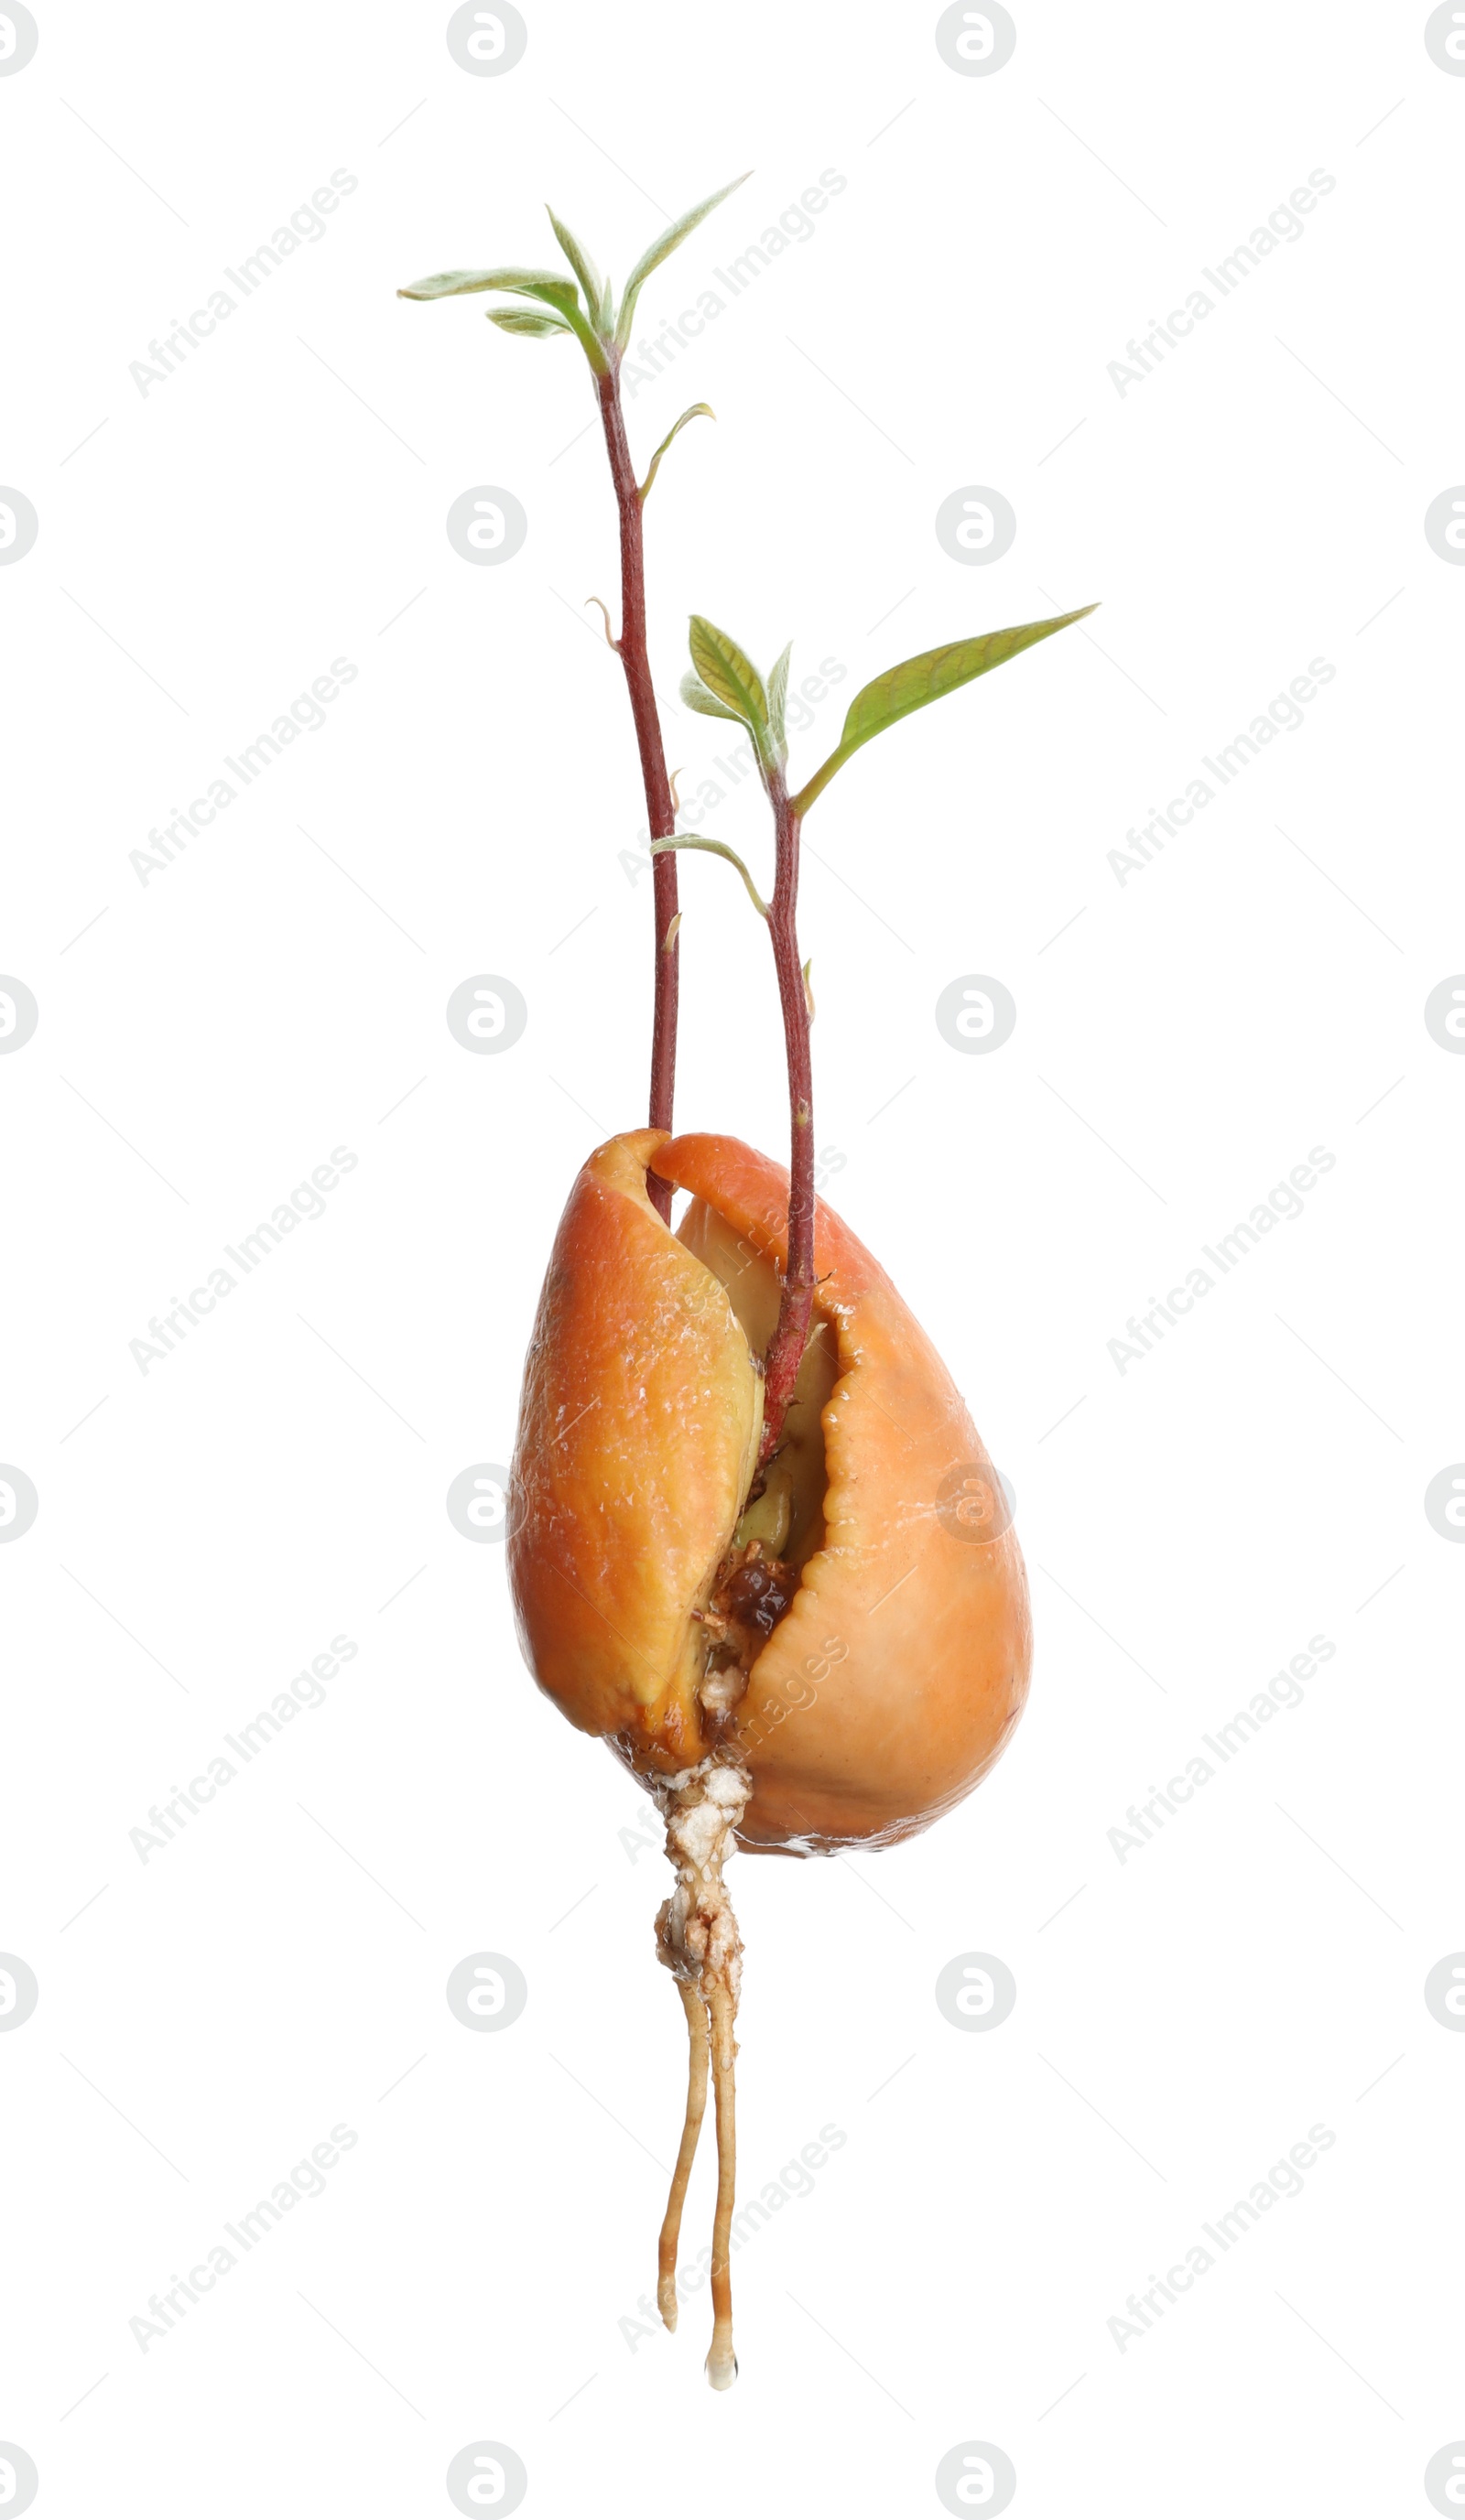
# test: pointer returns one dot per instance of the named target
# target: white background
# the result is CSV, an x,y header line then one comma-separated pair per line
x,y
207,1037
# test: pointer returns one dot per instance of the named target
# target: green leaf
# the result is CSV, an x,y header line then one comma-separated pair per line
x,y
564,298
778,694
522,319
551,287
717,849
463,284
729,675
696,695
695,410
582,264
606,319
657,253
929,677
561,294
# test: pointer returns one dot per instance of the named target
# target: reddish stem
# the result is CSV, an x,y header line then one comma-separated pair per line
x,y
660,809
786,1347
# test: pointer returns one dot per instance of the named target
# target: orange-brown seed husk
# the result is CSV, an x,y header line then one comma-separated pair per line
x,y
897,1677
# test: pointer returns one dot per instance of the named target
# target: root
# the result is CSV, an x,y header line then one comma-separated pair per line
x,y
697,2100
723,2361
696,1938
